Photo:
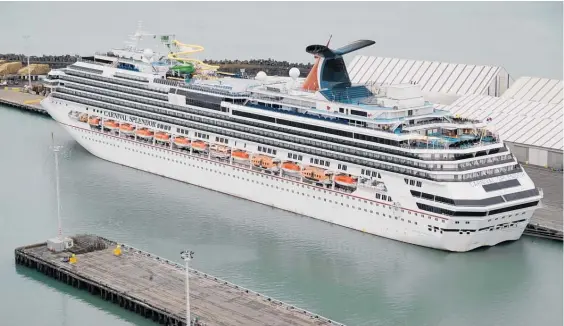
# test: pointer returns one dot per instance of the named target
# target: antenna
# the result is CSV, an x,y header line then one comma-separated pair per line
x,y
56,150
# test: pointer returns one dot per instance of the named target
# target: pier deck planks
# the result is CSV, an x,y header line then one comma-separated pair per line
x,y
213,301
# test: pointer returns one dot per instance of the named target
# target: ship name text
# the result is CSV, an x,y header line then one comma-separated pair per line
x,y
132,119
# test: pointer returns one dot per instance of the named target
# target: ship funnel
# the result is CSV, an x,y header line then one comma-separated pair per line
x,y
329,70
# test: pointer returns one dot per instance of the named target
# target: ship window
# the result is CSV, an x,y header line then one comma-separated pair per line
x,y
427,196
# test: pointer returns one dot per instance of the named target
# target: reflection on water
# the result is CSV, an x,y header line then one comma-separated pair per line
x,y
345,275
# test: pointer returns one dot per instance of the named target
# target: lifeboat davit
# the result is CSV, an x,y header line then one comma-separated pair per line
x,y
145,133
345,180
182,142
74,115
94,121
291,168
220,151
240,156
162,137
111,124
126,129
199,146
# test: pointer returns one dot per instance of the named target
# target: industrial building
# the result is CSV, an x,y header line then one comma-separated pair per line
x,y
441,82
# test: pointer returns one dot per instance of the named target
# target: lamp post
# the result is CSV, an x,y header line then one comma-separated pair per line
x,y
26,37
187,255
56,150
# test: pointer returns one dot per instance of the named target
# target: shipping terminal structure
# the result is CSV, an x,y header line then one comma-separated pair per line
x,y
375,158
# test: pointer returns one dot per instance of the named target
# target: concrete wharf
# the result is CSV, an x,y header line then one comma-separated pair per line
x,y
547,221
155,287
14,97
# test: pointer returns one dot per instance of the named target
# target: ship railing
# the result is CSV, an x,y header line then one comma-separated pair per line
x,y
131,77
215,90
443,121
90,70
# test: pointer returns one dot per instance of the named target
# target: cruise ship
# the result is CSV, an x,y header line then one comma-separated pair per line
x,y
379,159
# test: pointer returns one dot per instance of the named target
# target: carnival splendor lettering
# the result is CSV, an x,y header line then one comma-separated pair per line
x,y
132,119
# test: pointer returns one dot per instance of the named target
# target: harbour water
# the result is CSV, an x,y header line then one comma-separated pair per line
x,y
345,275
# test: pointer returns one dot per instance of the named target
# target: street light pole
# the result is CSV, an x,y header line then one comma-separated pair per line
x,y
26,37
187,256
56,150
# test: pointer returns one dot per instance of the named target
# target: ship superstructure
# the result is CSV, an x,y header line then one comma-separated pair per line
x,y
375,158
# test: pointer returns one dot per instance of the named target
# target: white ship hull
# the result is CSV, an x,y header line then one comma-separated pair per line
x,y
348,210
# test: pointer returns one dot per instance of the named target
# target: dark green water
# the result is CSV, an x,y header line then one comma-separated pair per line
x,y
354,278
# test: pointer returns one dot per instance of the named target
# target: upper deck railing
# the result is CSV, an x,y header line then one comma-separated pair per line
x,y
211,89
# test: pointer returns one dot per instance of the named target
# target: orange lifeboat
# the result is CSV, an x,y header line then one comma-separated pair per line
x,y
145,133
291,168
270,163
199,146
220,151
182,142
316,174
83,117
240,156
111,124
126,129
162,137
94,121
345,180
257,160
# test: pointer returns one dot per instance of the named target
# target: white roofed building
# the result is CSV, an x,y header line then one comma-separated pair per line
x,y
535,89
441,82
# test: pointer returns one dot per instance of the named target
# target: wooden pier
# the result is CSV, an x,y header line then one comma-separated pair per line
x,y
14,97
154,287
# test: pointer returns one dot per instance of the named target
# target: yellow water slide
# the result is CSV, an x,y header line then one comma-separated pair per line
x,y
187,49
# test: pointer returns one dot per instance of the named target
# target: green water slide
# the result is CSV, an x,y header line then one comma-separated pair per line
x,y
185,68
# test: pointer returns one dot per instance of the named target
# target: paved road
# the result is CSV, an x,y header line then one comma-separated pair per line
x,y
17,97
551,183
